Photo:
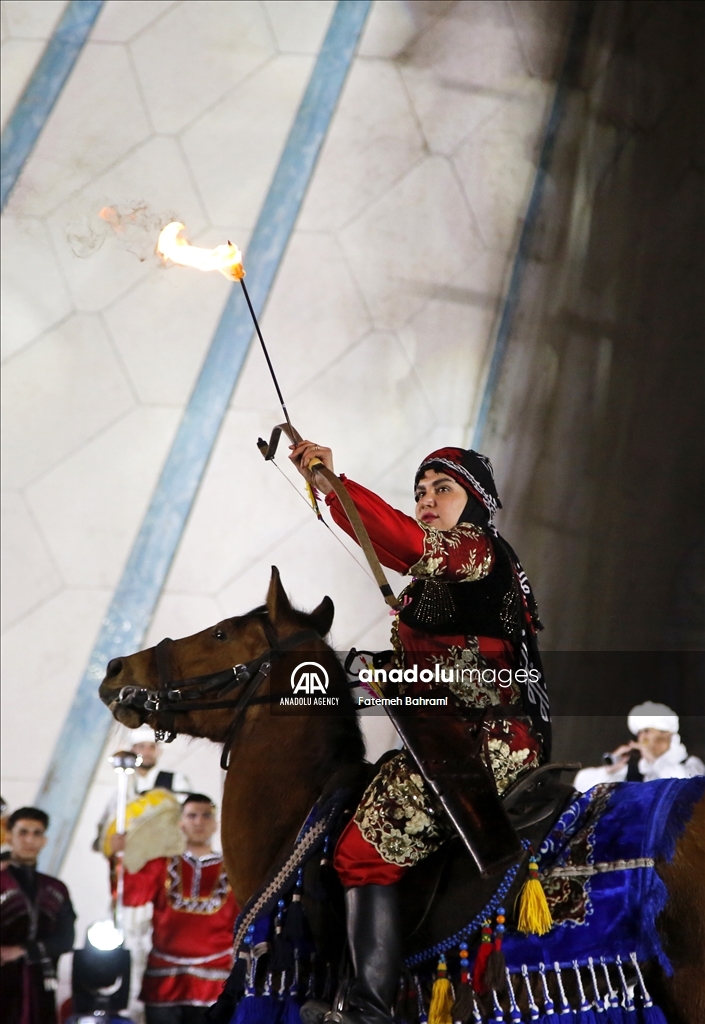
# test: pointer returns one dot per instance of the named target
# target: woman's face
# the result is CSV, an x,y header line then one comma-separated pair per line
x,y
439,500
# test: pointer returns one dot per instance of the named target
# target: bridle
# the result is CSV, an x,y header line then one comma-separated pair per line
x,y
185,695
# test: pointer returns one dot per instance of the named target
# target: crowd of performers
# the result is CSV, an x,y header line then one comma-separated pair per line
x,y
469,605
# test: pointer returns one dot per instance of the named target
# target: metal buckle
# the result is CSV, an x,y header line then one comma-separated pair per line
x,y
173,695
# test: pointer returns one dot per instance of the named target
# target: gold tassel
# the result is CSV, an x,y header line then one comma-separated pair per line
x,y
441,997
534,912
314,501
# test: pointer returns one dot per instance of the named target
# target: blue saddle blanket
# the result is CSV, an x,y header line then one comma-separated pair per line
x,y
598,871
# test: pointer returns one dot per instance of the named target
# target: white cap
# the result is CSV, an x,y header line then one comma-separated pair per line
x,y
652,716
145,734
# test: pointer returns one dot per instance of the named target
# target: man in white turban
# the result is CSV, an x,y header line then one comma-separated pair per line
x,y
657,752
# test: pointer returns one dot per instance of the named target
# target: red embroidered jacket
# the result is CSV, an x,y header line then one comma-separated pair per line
x,y
463,554
192,928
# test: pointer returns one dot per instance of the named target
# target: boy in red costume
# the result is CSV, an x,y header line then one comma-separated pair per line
x,y
469,618
194,914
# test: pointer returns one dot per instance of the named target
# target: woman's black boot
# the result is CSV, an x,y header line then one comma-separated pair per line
x,y
372,915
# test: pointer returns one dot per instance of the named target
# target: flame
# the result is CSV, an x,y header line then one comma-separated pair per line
x,y
225,258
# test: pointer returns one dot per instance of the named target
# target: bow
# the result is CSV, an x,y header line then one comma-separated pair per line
x,y
227,259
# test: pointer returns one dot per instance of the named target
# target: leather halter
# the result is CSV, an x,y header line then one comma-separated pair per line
x,y
183,696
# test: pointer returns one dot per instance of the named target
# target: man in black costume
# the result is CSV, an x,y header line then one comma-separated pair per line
x,y
36,924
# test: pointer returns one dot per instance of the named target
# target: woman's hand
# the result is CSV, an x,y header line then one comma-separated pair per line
x,y
302,455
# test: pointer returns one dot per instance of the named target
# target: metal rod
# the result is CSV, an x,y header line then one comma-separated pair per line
x,y
120,831
295,433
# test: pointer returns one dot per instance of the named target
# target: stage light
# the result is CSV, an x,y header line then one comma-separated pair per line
x,y
104,935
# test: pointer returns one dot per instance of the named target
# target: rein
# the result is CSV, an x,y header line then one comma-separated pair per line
x,y
183,696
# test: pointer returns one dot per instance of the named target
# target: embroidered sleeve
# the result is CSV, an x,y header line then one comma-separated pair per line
x,y
397,538
463,554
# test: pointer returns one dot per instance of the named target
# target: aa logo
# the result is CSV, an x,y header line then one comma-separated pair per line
x,y
309,677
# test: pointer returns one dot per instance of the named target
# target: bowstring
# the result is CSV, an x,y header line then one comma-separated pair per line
x,y
330,531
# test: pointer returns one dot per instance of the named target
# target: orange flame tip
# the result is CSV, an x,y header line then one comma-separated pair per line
x,y
225,258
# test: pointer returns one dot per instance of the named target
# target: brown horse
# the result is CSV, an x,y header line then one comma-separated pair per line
x,y
280,765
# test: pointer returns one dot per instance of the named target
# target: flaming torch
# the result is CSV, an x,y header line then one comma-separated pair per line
x,y
225,258
228,260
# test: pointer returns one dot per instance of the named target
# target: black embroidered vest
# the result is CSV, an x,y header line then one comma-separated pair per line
x,y
487,607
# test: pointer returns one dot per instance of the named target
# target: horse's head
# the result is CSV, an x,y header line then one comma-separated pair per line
x,y
211,665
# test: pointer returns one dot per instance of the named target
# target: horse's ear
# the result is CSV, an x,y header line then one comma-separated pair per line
x,y
278,606
321,618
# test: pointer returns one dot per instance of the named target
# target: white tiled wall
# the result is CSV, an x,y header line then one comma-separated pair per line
x,y
380,321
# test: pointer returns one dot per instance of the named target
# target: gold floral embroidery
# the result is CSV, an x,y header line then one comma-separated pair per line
x,y
467,683
396,642
396,814
437,546
507,765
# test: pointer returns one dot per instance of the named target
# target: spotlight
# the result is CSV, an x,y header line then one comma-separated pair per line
x,y
101,972
104,935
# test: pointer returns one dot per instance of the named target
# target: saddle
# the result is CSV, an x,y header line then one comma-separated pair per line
x,y
535,802
447,886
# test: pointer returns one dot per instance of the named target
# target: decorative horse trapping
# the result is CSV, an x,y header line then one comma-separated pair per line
x,y
598,868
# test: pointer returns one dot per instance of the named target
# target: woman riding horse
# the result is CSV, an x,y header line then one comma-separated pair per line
x,y
469,607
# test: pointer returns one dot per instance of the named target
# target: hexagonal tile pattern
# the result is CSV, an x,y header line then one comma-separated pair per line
x,y
314,315
92,125
150,187
105,487
26,310
448,341
234,148
420,233
162,330
121,20
32,20
305,31
497,165
460,69
206,48
28,573
58,394
382,400
44,656
243,509
373,141
393,25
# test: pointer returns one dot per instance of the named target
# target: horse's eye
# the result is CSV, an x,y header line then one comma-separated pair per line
x,y
220,634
